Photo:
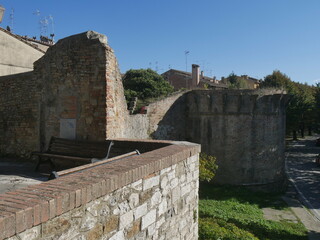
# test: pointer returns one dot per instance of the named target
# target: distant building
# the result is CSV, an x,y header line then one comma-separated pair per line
x,y
196,79
252,83
19,53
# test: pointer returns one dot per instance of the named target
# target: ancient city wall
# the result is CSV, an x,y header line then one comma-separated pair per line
x,y
82,92
151,196
19,114
244,130
164,120
75,92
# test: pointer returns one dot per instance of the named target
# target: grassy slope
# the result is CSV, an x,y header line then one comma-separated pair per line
x,y
235,213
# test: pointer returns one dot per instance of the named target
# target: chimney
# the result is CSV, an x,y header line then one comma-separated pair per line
x,y
1,13
195,75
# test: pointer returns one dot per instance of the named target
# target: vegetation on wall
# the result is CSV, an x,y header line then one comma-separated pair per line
x,y
235,82
207,167
302,109
144,84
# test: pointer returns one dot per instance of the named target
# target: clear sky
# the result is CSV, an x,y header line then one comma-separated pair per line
x,y
252,37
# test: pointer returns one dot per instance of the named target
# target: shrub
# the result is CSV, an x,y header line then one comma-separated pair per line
x,y
211,228
207,167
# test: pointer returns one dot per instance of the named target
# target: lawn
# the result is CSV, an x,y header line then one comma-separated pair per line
x,y
230,213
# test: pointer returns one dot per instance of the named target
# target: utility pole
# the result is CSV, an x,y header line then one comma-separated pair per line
x,y
186,52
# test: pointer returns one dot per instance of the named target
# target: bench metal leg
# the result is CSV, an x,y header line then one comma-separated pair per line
x,y
41,161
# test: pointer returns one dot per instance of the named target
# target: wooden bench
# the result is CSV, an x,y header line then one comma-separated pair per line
x,y
76,151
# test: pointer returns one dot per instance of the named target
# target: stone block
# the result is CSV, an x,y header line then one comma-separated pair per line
x,y
151,182
134,230
112,224
156,198
140,211
148,219
126,219
32,233
133,200
117,236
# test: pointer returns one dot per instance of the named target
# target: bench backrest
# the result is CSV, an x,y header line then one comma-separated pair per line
x,y
98,149
78,148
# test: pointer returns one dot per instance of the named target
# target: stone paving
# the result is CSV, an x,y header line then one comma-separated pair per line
x,y
304,176
15,174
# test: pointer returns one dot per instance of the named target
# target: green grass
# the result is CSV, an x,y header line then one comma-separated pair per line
x,y
231,213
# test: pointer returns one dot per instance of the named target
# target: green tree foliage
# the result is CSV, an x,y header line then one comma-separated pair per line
x,y
236,82
317,105
145,83
277,80
301,109
207,168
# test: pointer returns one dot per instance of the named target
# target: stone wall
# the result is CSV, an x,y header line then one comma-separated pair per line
x,y
164,120
82,93
75,92
19,114
151,196
245,130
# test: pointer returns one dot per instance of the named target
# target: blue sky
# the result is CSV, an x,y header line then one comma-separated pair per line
x,y
252,37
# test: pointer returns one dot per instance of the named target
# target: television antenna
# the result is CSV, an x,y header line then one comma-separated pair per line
x,y
186,52
11,19
44,25
52,26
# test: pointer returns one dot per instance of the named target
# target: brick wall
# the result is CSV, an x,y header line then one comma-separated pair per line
x,y
19,114
75,91
151,196
81,84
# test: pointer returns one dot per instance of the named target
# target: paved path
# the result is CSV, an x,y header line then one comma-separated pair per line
x,y
14,175
304,174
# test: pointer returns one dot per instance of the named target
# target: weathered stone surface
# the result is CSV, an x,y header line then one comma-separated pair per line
x,y
126,219
112,224
150,182
140,211
122,215
134,230
148,219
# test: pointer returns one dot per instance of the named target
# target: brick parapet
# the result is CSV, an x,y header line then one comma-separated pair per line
x,y
35,205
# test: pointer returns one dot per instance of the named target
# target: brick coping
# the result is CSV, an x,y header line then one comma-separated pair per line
x,y
30,206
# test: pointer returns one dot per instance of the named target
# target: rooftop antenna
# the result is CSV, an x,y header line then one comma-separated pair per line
x,y
52,26
2,9
37,13
11,19
43,25
186,52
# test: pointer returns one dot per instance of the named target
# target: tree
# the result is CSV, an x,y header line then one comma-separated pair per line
x,y
236,82
145,83
207,167
317,105
277,80
301,108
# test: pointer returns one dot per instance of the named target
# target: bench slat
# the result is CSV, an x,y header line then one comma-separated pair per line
x,y
63,157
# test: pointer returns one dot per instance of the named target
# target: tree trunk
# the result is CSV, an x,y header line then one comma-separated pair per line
x,y
294,135
302,132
